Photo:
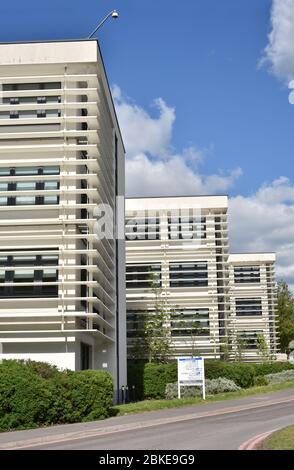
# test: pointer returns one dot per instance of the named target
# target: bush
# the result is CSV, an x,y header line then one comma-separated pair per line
x,y
156,376
171,391
271,367
91,394
150,379
220,385
239,372
260,380
42,369
37,394
280,377
24,399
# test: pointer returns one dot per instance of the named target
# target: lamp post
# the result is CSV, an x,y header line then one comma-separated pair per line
x,y
113,14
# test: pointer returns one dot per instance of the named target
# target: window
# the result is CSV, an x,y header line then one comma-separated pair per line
x,y
246,274
249,339
143,276
28,186
136,322
32,86
248,307
143,228
190,322
86,356
186,227
188,275
26,269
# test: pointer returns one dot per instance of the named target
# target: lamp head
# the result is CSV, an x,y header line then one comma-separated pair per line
x,y
114,14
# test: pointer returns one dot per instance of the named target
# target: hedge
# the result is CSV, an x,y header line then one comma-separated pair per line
x,y
266,368
150,379
37,394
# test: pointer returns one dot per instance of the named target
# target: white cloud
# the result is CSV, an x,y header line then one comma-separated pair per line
x,y
145,177
152,166
264,221
279,52
141,132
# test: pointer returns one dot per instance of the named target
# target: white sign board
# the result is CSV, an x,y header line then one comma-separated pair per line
x,y
191,373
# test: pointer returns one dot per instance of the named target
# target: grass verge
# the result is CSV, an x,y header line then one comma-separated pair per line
x,y
280,440
153,405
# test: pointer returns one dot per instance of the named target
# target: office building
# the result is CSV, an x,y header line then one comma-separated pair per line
x,y
62,288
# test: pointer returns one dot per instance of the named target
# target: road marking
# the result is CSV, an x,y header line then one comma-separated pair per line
x,y
252,443
78,435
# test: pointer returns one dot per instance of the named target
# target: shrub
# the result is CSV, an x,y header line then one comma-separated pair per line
x,y
265,368
260,380
171,391
36,394
220,385
91,394
42,369
24,399
239,372
156,376
150,379
280,377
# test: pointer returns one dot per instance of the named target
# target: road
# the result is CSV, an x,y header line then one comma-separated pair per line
x,y
219,426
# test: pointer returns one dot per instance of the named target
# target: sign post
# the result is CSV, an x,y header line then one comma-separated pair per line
x,y
191,373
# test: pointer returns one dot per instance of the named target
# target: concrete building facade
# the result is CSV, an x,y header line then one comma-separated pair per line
x,y
182,243
253,304
62,286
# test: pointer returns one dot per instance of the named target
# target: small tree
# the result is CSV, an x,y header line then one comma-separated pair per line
x,y
225,350
193,329
240,347
285,310
152,338
262,347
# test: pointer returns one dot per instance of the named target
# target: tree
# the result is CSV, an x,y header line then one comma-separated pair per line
x,y
240,347
152,340
285,311
225,350
192,329
262,347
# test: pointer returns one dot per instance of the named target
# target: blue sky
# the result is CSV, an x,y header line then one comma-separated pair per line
x,y
201,57
221,123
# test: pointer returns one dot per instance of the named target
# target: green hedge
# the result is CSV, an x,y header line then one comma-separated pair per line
x,y
37,394
241,373
271,367
150,379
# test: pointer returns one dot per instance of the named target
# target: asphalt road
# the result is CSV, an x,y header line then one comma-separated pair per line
x,y
217,426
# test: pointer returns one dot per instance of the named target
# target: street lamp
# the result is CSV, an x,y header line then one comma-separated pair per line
x,y
113,14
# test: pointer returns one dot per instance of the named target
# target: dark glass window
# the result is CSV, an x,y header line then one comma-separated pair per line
x,y
143,276
248,307
28,186
188,275
186,227
190,322
143,228
246,274
86,356
28,269
32,86
249,339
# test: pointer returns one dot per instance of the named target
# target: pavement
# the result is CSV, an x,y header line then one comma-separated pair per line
x,y
222,425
